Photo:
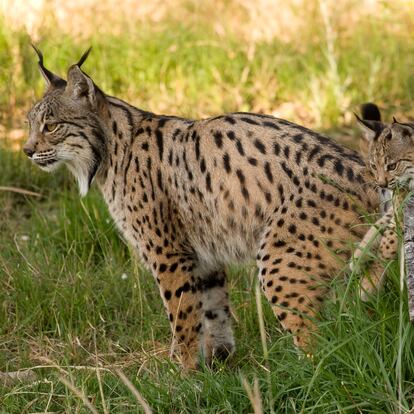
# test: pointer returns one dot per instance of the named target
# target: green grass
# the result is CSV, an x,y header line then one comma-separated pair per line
x,y
67,311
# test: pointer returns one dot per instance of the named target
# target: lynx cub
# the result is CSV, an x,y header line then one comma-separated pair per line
x,y
390,160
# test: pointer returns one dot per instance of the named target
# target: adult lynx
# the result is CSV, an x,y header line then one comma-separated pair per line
x,y
194,196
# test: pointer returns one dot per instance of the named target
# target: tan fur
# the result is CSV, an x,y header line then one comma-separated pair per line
x,y
194,196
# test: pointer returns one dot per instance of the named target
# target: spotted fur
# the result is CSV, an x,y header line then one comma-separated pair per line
x,y
194,196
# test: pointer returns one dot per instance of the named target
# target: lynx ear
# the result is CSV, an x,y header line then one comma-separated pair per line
x,y
80,86
371,130
52,80
404,131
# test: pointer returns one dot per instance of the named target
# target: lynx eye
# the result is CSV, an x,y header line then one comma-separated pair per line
x,y
392,167
49,127
373,166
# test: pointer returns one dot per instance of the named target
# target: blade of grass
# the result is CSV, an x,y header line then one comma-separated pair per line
x,y
134,391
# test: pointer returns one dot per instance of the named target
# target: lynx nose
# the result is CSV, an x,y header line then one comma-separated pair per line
x,y
28,151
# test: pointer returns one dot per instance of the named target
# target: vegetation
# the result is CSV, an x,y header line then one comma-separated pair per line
x,y
78,309
191,63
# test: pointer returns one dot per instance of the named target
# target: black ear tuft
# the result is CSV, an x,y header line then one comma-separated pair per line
x,y
370,112
84,57
51,79
371,129
39,55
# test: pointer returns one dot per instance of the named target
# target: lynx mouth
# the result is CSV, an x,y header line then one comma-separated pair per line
x,y
44,162
48,163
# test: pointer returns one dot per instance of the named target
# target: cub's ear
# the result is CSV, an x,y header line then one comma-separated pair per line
x,y
370,112
371,130
80,87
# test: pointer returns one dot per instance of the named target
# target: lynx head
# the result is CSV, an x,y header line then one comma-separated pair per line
x,y
66,126
390,156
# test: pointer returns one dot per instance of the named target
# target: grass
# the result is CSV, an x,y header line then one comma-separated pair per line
x,y
187,67
77,308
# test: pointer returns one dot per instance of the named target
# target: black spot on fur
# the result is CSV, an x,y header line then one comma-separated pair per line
x,y
249,120
218,138
252,161
268,172
226,162
260,146
229,120
160,143
271,125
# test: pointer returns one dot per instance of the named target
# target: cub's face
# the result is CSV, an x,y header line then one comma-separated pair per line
x,y
390,155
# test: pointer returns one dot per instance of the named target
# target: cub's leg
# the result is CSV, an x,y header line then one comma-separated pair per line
x,y
294,279
217,336
373,236
387,250
384,244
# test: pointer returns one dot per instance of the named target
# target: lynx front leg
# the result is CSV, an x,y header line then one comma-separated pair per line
x,y
182,300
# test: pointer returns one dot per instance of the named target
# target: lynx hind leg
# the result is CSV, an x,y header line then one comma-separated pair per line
x,y
217,340
292,279
387,250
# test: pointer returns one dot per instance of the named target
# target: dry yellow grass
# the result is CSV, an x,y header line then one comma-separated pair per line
x,y
310,61
250,20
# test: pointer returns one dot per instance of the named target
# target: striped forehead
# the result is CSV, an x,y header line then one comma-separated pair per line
x,y
40,111
379,150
